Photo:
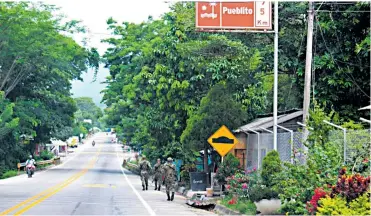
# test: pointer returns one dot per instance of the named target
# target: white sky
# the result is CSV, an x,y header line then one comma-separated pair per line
x,y
94,15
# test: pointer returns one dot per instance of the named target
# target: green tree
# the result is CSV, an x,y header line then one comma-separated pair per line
x,y
38,61
217,108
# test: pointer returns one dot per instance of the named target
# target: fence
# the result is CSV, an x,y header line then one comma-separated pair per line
x,y
355,140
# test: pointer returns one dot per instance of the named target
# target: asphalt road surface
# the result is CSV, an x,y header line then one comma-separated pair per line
x,y
89,182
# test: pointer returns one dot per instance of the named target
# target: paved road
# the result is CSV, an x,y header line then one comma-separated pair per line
x,y
91,182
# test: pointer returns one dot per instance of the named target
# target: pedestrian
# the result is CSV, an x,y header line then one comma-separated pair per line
x,y
159,172
170,178
145,168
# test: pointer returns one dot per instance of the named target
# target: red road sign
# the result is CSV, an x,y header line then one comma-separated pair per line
x,y
234,15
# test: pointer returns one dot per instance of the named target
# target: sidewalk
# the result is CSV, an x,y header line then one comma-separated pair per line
x,y
157,200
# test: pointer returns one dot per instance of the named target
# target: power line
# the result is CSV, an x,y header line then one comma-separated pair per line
x,y
346,11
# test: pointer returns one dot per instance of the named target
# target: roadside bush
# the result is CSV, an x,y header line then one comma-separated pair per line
x,y
9,173
271,166
46,155
312,205
228,168
238,184
295,186
260,192
263,187
350,187
338,206
184,174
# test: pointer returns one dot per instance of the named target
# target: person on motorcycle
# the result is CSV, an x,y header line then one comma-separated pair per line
x,y
30,163
93,143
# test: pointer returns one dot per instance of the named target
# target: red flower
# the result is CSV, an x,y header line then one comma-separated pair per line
x,y
244,186
254,169
365,160
313,203
228,187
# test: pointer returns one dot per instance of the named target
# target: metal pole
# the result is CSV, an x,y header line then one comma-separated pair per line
x,y
344,135
292,141
365,120
345,145
304,125
275,86
308,63
258,144
264,129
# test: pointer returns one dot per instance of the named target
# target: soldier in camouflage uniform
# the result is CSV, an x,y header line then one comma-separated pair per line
x,y
158,168
170,178
145,168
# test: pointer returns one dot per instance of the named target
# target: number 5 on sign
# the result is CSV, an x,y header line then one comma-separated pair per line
x,y
262,19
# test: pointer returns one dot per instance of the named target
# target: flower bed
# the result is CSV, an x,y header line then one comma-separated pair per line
x,y
243,206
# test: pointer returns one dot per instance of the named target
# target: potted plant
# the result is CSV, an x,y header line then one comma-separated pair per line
x,y
262,193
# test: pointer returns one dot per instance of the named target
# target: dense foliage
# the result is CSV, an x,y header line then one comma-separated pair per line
x,y
38,60
86,110
161,69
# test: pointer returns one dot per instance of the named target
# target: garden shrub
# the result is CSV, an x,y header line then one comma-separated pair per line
x,y
238,184
9,173
333,206
338,206
271,166
313,203
351,186
228,168
263,188
295,186
361,205
260,192
46,155
184,174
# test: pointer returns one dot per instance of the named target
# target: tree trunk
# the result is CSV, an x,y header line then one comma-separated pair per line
x,y
206,165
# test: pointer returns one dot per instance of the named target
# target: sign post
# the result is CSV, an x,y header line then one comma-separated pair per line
x,y
222,141
249,16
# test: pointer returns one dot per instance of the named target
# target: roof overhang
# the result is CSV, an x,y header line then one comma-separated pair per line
x,y
267,122
365,108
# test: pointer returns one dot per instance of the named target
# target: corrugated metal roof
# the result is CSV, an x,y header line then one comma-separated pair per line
x,y
267,122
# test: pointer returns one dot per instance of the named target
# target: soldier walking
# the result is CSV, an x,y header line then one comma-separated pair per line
x,y
158,174
145,168
170,178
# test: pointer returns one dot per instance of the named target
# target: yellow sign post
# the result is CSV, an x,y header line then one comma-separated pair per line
x,y
222,140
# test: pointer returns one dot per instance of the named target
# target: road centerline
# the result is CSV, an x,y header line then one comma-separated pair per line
x,y
50,191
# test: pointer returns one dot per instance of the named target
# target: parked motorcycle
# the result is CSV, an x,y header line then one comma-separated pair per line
x,y
30,169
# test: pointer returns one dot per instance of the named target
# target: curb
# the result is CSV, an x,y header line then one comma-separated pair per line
x,y
220,209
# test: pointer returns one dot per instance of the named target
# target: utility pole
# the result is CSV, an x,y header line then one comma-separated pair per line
x,y
275,84
308,63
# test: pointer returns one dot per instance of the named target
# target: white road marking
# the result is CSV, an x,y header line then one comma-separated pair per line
x,y
149,209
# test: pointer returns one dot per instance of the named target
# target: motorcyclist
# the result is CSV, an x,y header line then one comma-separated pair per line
x,y
93,143
31,162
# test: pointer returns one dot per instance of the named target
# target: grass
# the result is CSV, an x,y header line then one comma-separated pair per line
x,y
9,173
242,206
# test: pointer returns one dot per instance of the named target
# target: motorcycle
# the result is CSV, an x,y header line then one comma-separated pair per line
x,y
30,169
93,144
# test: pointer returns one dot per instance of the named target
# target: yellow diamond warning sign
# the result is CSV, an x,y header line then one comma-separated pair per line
x,y
223,140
